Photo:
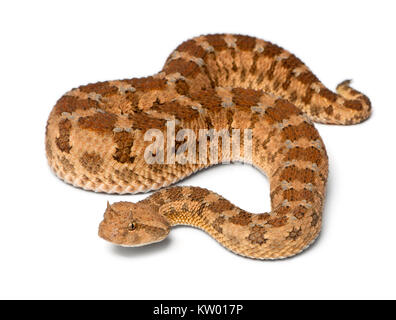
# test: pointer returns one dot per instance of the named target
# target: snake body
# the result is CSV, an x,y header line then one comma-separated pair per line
x,y
95,140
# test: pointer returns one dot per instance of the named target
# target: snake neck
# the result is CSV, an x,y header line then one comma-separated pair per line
x,y
284,231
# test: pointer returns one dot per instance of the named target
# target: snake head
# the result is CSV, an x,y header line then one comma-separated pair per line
x,y
133,224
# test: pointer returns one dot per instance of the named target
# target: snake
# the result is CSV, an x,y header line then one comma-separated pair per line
x,y
96,139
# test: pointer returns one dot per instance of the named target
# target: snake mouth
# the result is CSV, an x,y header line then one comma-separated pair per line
x,y
137,245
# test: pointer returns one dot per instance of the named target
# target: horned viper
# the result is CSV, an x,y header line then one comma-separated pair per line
x,y
95,140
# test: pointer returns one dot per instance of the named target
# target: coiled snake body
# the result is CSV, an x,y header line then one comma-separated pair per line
x,y
95,140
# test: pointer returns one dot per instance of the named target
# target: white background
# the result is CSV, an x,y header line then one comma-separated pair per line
x,y
49,246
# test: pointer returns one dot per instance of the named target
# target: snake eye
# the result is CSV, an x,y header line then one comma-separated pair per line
x,y
132,226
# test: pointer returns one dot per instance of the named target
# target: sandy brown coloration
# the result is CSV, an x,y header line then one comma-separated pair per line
x,y
94,140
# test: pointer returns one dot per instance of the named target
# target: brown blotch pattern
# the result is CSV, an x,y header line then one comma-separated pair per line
x,y
315,219
207,98
327,94
260,78
315,110
303,130
175,109
62,141
291,63
243,75
99,122
353,104
200,210
217,224
278,222
71,103
175,193
282,211
257,235
294,234
329,110
188,69
307,78
92,162
246,97
220,205
147,83
276,85
272,50
216,41
66,164
300,212
310,154
124,143
192,48
243,218
144,122
245,43
253,68
293,96
308,96
282,110
133,98
102,88
293,173
182,87
198,194
271,70
298,195
263,216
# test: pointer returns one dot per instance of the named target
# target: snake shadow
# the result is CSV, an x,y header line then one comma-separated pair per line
x,y
136,252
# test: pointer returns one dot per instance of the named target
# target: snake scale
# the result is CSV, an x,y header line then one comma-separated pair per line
x,y
95,140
